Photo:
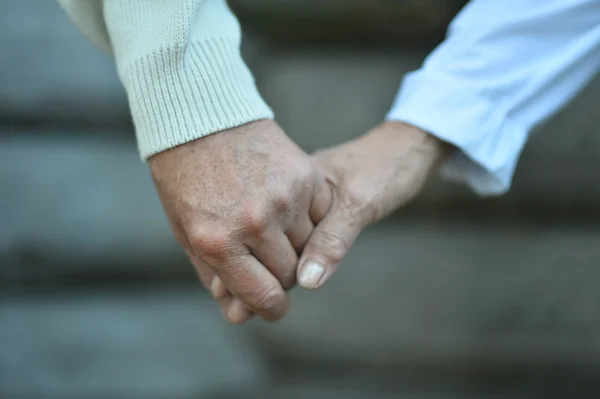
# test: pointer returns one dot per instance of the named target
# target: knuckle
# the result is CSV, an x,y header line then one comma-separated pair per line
x,y
288,279
210,243
282,203
231,268
302,178
359,206
217,288
254,221
332,245
356,200
268,299
205,275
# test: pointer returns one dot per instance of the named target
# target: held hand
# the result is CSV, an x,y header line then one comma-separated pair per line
x,y
243,203
371,177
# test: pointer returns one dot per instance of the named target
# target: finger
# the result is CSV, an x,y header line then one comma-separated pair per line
x,y
205,275
328,244
236,312
298,234
202,270
252,283
243,275
218,289
275,251
224,306
321,201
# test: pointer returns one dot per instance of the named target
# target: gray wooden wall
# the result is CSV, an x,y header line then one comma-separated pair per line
x,y
97,300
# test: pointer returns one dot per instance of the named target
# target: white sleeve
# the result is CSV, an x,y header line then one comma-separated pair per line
x,y
505,67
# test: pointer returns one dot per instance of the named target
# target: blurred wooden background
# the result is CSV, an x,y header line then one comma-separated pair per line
x,y
453,296
347,22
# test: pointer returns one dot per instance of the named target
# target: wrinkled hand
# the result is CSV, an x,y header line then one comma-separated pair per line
x,y
243,203
371,177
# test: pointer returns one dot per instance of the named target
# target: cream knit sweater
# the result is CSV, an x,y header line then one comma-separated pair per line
x,y
180,63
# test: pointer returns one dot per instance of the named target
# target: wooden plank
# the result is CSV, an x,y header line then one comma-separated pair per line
x,y
102,217
323,98
356,22
134,344
54,73
444,294
83,204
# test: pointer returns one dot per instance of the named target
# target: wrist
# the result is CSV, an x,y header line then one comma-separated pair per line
x,y
430,147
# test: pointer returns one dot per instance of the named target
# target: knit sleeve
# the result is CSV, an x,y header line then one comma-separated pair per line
x,y
180,63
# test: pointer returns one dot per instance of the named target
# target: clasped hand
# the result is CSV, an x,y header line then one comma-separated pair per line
x,y
255,214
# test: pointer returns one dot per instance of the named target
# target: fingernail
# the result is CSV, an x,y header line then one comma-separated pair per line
x,y
311,274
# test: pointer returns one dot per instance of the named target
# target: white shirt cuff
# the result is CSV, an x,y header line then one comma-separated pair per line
x,y
490,142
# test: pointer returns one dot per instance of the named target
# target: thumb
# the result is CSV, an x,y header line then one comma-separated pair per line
x,y
327,246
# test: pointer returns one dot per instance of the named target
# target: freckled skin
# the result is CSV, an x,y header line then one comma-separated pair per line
x,y
371,176
244,204
239,202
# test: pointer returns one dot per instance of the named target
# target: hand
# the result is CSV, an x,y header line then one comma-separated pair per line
x,y
243,203
371,177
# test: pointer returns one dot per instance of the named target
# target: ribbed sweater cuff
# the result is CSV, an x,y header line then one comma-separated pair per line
x,y
177,95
